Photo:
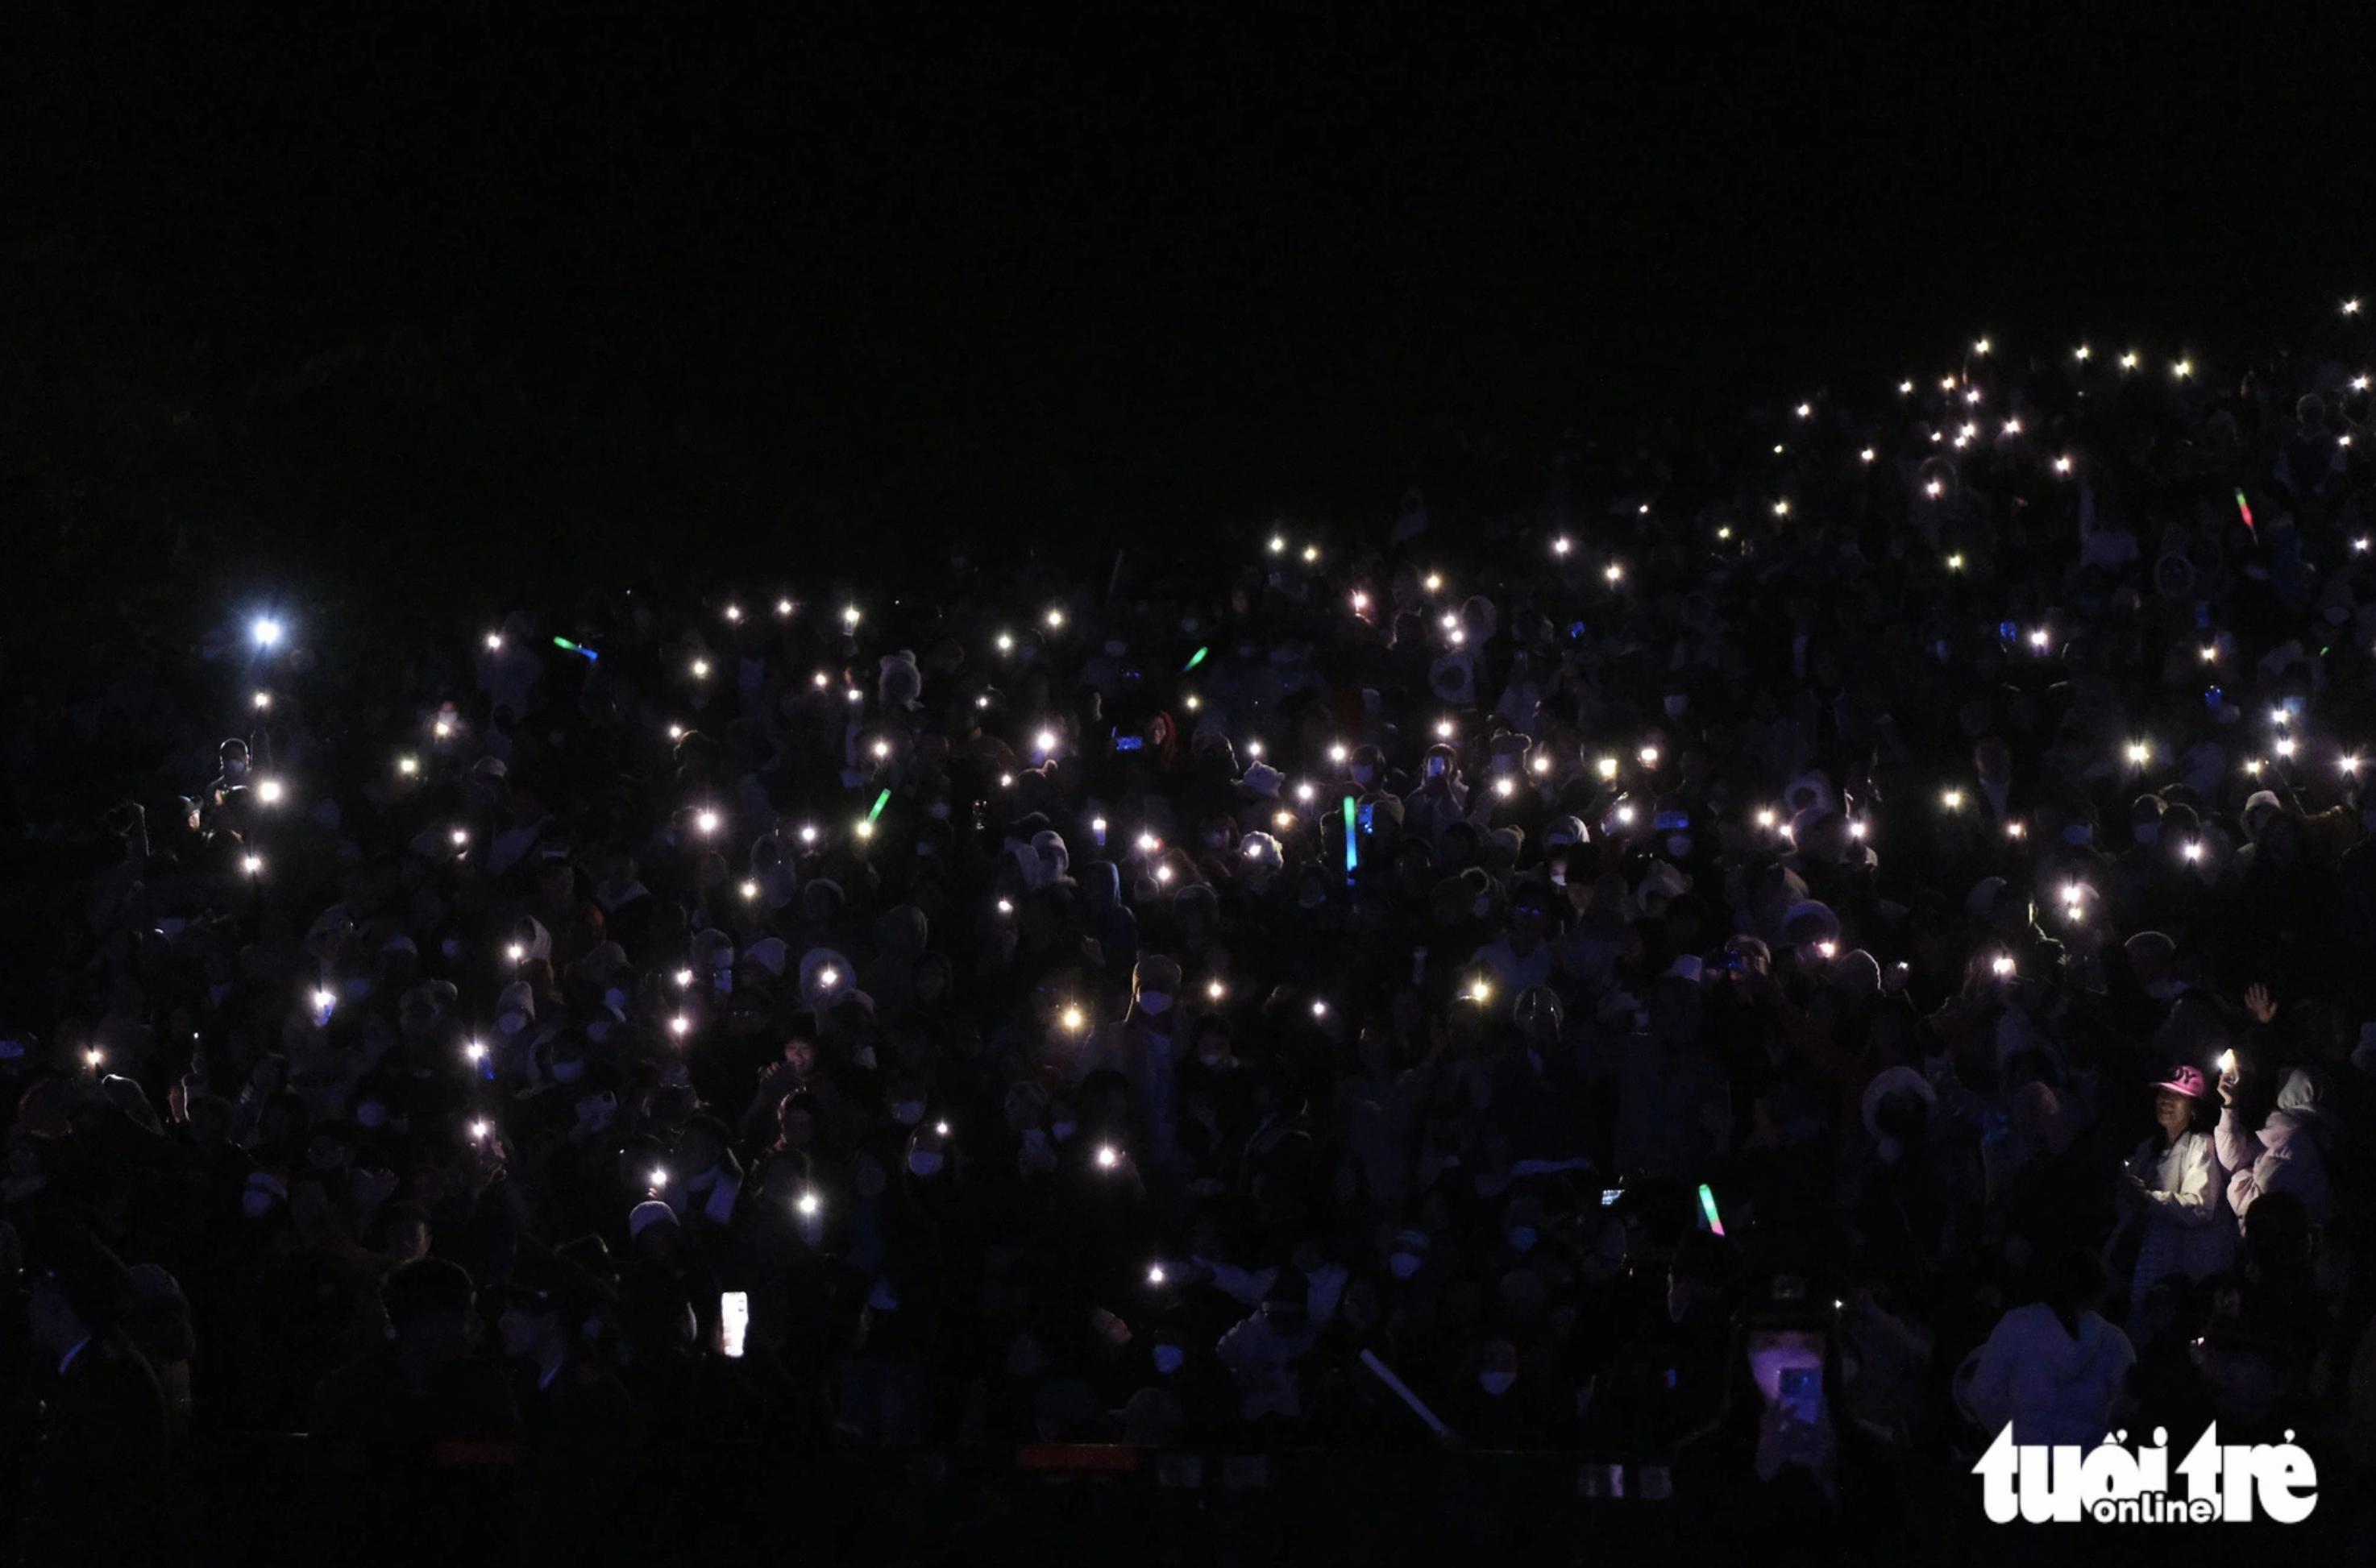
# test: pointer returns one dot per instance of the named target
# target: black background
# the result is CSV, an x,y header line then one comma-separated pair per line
x,y
539,294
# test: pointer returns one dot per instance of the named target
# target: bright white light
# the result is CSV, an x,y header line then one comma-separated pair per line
x,y
1648,756
1073,1019
1981,347
1561,545
683,977
265,631
809,834
253,864
750,891
784,607
478,1132
706,822
1108,1158
326,1000
1614,572
461,836
2003,964
263,700
701,670
494,641
1045,740
1866,455
2139,752
1608,767
1055,620
1155,1274
1319,1009
516,952
475,1051
810,1205
408,766
269,790
850,614
1952,799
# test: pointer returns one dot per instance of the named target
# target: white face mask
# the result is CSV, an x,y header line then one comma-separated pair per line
x,y
924,1162
1496,1382
568,1071
1402,1265
908,1112
1154,1003
512,1023
1364,774
1169,1358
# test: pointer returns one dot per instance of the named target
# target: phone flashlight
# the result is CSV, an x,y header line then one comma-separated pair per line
x,y
733,1321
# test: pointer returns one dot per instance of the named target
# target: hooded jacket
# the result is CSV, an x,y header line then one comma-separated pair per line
x,y
2283,1156
2054,1388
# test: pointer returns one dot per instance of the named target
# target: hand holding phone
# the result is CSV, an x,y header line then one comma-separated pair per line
x,y
733,1321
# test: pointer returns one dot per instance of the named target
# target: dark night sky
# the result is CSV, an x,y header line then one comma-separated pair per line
x,y
662,274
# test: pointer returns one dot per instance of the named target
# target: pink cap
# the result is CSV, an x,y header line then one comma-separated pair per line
x,y
2187,1081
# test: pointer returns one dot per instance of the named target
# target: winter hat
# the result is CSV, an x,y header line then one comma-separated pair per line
x,y
515,1008
1262,850
647,1214
1895,1080
2258,808
1262,781
1664,881
1561,831
823,974
769,953
900,683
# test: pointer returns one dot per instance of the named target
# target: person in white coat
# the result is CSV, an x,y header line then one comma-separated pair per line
x,y
2283,1156
2055,1369
2180,1191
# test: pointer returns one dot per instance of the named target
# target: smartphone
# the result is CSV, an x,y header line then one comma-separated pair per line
x,y
1575,631
734,1321
1559,873
1366,817
1130,743
1802,1394
1436,765
2007,631
2211,698
1608,1196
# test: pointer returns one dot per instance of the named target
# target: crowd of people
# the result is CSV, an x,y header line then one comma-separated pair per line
x,y
1807,943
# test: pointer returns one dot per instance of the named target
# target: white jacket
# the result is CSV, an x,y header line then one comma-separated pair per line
x,y
2282,1157
2054,1388
2189,1227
